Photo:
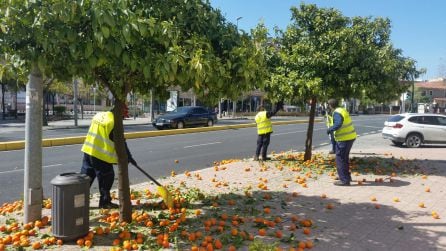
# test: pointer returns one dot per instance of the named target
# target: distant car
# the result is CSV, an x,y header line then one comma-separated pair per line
x,y
415,129
186,116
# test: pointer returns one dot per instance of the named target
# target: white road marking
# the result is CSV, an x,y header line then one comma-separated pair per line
x,y
12,171
323,144
21,169
206,144
52,165
284,133
378,127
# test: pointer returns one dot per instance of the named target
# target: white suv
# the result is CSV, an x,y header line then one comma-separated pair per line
x,y
415,129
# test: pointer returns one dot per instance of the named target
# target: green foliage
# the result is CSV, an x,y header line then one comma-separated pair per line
x,y
324,54
259,245
133,45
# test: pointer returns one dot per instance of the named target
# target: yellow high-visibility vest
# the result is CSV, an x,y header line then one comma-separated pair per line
x,y
329,120
347,130
264,125
97,142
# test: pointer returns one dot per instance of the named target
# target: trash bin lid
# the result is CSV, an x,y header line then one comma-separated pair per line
x,y
65,179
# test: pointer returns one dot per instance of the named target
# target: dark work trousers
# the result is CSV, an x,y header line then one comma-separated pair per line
x,y
262,144
342,160
94,167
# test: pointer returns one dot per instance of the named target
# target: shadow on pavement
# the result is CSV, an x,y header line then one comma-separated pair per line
x,y
345,226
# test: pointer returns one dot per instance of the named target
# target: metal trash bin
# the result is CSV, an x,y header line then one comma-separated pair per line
x,y
70,205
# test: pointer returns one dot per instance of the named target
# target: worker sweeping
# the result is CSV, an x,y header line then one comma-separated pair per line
x,y
100,155
264,130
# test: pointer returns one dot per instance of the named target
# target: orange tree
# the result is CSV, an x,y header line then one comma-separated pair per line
x,y
132,45
323,54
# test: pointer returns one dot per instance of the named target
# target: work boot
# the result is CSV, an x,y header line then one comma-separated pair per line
x,y
109,205
331,152
266,158
256,158
340,183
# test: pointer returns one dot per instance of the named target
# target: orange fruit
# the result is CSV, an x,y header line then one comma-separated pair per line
x,y
80,242
99,231
88,243
38,224
198,234
306,223
116,242
234,232
209,247
127,245
232,248
309,244
279,234
262,232
218,244
301,245
421,204
192,237
307,231
267,210
427,189
36,245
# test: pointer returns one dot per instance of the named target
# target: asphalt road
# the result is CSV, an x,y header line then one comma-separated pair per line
x,y
157,155
15,134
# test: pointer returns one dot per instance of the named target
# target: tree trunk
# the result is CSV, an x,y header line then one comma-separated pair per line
x,y
33,191
53,100
3,101
82,108
15,104
309,140
125,205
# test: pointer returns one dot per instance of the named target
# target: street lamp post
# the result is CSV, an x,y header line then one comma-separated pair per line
x,y
238,18
94,98
234,102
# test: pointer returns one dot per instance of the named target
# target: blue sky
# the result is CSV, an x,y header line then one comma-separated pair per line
x,y
418,27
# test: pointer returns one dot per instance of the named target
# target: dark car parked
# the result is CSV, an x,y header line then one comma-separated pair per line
x,y
186,116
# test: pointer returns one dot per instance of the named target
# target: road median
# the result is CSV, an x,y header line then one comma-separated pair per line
x,y
18,145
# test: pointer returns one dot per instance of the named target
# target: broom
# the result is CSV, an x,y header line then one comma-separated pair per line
x,y
167,197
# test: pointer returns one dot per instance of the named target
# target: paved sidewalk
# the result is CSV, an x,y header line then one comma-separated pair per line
x,y
355,223
402,225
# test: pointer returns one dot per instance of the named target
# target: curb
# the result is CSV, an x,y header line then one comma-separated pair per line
x,y
18,145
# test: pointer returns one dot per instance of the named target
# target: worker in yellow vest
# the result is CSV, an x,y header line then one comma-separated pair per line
x,y
344,134
264,130
100,155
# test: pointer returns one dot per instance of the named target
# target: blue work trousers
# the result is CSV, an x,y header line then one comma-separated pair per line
x,y
262,144
94,167
332,141
342,160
